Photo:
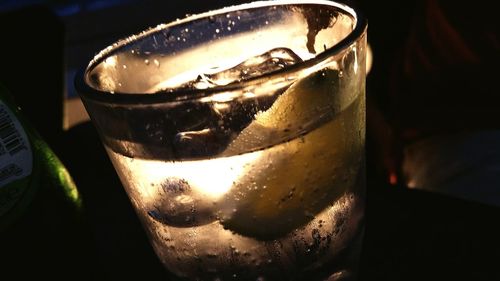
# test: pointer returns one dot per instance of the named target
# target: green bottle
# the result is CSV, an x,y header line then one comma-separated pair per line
x,y
43,231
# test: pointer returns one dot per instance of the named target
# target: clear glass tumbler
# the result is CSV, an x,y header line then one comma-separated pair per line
x,y
239,137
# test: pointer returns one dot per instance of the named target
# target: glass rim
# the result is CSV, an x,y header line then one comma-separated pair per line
x,y
181,95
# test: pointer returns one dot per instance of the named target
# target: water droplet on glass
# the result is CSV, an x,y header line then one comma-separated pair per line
x,y
217,30
156,62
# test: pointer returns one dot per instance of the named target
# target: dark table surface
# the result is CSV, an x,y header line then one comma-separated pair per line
x,y
409,234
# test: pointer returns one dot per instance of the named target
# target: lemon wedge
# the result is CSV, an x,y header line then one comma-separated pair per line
x,y
294,180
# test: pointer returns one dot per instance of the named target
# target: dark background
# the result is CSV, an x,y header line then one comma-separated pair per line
x,y
410,234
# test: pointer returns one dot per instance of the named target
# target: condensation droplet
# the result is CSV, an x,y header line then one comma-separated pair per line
x,y
156,62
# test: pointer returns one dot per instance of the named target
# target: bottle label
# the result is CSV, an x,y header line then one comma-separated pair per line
x,y
16,159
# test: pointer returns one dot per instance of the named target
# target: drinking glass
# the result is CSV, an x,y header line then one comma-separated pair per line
x,y
239,136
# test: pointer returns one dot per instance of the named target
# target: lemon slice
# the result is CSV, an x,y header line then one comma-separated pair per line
x,y
292,181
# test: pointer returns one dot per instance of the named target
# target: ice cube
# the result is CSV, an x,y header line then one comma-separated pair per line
x,y
208,141
267,62
178,205
204,127
270,61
